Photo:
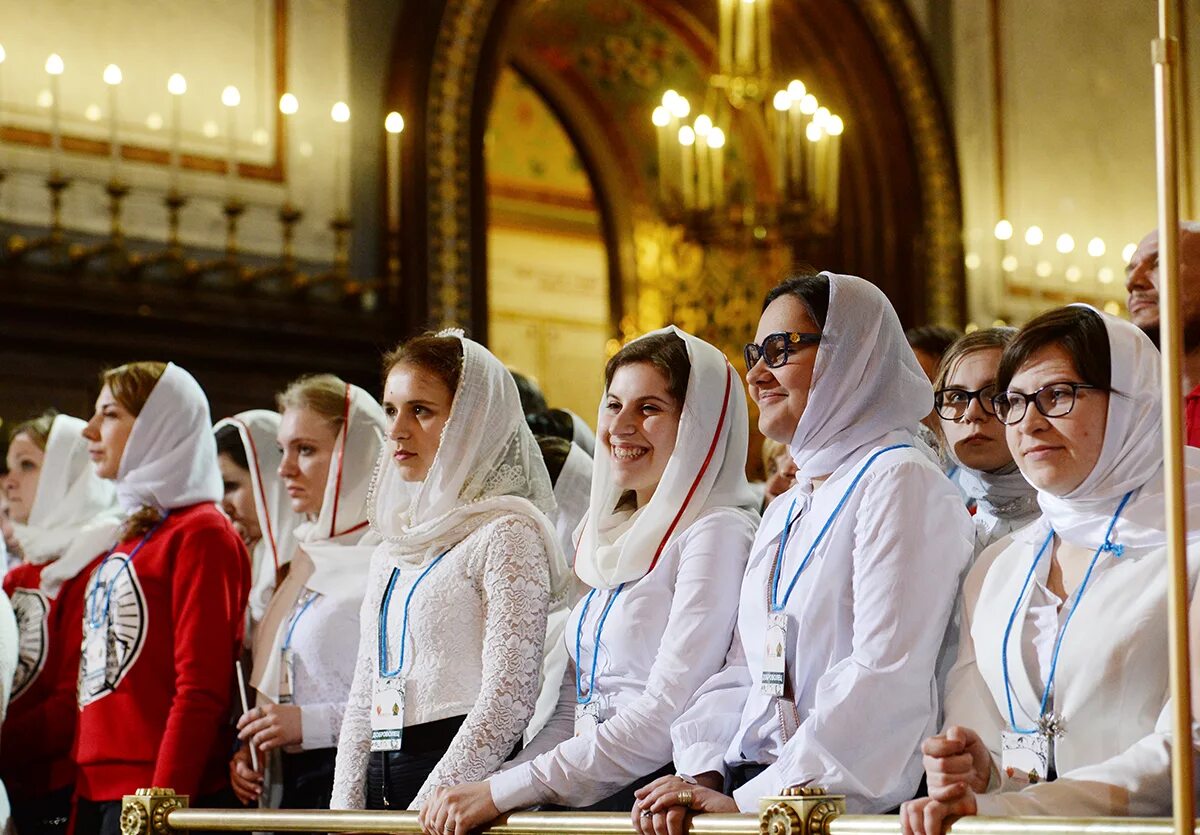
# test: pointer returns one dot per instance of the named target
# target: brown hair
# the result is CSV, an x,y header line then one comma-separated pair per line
x,y
934,340
441,356
131,385
1078,330
811,290
771,450
666,352
38,428
980,340
325,394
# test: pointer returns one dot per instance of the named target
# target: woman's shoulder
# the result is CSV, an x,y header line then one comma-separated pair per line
x,y
510,524
723,523
202,527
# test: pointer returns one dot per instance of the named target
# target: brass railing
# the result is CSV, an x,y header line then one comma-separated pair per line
x,y
798,812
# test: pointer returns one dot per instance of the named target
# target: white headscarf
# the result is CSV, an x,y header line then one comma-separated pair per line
x,y
1131,458
707,470
572,492
867,386
70,496
487,465
170,459
258,429
333,552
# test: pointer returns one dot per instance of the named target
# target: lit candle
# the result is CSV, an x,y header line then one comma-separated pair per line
x,y
340,112
687,170
289,105
176,86
716,145
54,67
231,98
661,120
112,77
702,127
834,128
814,134
394,125
725,37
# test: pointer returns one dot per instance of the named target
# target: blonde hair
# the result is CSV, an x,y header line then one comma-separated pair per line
x,y
771,450
325,394
36,429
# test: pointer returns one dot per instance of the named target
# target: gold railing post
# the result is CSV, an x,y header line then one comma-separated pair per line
x,y
800,810
145,813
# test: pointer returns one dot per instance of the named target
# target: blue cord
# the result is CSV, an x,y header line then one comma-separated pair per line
x,y
383,616
93,621
596,651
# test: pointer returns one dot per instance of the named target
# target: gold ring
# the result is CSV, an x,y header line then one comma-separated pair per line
x,y
684,799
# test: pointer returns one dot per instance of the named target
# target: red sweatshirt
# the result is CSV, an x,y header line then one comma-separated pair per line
x,y
35,752
156,687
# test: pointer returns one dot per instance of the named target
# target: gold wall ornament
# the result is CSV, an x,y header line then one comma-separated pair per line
x,y
800,810
145,812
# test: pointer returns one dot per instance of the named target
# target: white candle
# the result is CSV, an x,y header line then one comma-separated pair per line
x,y
112,77
231,98
661,120
745,38
687,170
725,36
289,105
176,86
394,125
834,128
716,146
54,67
340,113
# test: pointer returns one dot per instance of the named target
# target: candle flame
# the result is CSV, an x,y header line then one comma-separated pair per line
x,y
394,123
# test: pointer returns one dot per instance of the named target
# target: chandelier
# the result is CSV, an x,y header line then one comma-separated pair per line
x,y
707,180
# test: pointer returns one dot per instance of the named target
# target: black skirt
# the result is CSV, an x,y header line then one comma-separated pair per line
x,y
395,777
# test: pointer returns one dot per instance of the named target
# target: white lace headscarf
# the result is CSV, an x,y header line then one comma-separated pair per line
x,y
487,465
572,492
1131,458
70,496
707,470
170,459
867,386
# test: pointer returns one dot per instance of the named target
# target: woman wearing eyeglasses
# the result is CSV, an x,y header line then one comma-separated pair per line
x,y
963,390
1057,704
851,580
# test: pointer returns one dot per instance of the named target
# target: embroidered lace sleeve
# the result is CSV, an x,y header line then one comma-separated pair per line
x,y
354,742
515,584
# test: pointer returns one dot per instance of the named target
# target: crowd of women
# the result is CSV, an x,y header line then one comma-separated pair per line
x,y
422,624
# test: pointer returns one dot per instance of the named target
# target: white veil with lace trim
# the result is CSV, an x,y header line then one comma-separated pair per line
x,y
487,465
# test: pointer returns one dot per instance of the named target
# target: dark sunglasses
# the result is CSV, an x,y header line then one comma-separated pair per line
x,y
777,347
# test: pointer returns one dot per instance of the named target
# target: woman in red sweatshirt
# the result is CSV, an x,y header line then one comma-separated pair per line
x,y
163,611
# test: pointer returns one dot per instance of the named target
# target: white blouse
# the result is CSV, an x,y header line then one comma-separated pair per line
x,y
476,631
324,642
666,633
868,618
1111,685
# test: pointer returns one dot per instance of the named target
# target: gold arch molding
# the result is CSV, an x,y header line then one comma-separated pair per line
x,y
462,32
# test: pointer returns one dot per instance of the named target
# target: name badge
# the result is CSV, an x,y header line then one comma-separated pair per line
x,y
1025,758
775,654
587,718
287,671
387,713
96,654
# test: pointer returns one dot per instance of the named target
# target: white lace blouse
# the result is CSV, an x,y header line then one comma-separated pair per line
x,y
476,630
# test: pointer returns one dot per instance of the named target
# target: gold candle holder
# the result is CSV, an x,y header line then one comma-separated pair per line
x,y
80,254
234,209
173,254
289,216
19,247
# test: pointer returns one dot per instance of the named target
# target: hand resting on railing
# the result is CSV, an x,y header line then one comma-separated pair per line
x,y
957,766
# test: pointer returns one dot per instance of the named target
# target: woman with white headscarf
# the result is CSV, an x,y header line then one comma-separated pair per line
x,y
964,386
851,579
663,548
331,434
455,616
164,608
64,516
1058,704
256,501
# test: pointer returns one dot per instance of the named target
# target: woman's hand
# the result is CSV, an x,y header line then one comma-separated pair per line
x,y
927,816
957,758
271,726
247,783
457,809
658,811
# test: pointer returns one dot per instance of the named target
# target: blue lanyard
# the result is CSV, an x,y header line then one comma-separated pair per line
x,y
383,618
92,620
776,606
596,651
1107,545
287,641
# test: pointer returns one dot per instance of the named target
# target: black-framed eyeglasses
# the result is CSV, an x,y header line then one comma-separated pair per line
x,y
776,348
1053,400
952,403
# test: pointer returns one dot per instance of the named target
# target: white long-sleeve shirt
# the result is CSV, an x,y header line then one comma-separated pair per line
x,y
324,643
868,618
1111,685
665,634
475,640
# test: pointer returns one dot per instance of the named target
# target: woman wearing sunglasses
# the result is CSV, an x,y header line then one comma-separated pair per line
x,y
1057,704
851,580
964,387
